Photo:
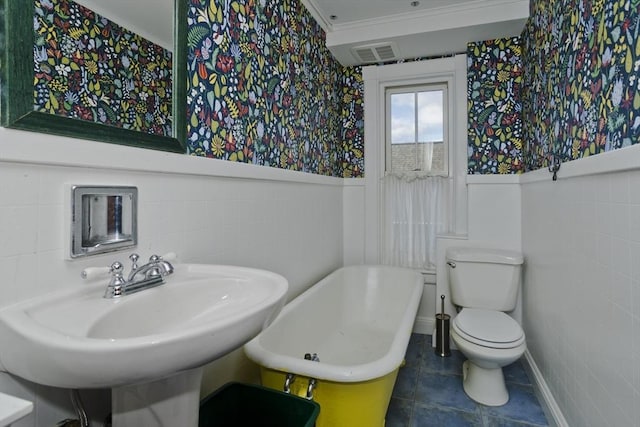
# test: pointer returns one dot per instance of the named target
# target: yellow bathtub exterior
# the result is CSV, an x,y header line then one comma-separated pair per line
x,y
359,404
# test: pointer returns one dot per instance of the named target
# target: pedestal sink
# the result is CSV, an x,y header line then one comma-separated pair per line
x,y
149,347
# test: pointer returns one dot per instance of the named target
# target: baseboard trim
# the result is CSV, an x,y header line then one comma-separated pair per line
x,y
549,404
424,325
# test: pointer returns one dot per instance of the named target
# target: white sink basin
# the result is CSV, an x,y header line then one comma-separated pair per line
x,y
78,339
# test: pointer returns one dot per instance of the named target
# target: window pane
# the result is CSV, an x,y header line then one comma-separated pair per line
x,y
403,157
430,116
416,128
403,126
425,153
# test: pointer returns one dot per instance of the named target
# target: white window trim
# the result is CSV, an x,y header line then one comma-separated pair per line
x,y
376,80
422,85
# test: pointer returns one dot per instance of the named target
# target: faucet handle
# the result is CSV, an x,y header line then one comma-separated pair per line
x,y
91,273
116,268
164,267
117,281
134,259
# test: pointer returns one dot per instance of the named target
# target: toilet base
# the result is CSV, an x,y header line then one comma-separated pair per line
x,y
485,386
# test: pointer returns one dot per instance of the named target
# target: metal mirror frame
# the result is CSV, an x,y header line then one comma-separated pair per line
x,y
17,39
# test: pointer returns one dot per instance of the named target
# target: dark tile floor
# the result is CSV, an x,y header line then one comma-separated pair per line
x,y
429,392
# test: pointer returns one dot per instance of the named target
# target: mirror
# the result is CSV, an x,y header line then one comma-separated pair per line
x,y
18,92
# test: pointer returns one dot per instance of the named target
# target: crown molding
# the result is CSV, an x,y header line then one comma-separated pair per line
x,y
447,29
314,10
435,13
480,11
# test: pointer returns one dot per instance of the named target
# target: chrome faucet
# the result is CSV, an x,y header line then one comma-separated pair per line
x,y
143,277
155,267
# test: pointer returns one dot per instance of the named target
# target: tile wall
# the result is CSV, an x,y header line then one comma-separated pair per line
x,y
290,227
581,239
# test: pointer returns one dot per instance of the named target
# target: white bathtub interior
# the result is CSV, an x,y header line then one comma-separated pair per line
x,y
343,326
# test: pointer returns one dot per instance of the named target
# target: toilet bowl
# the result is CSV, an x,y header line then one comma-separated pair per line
x,y
489,340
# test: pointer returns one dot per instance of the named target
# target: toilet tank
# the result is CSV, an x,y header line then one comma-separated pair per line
x,y
484,278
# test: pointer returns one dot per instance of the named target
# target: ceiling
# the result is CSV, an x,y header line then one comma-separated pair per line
x,y
346,11
421,28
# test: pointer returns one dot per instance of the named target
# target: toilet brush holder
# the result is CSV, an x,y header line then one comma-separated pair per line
x,y
443,348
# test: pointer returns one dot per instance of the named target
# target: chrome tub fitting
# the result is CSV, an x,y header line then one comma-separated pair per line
x,y
289,379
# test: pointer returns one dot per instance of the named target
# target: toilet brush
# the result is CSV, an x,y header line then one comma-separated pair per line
x,y
442,331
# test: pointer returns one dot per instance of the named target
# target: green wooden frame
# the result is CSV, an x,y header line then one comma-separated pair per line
x,y
16,86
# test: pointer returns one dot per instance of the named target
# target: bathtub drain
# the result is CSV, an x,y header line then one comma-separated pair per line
x,y
313,357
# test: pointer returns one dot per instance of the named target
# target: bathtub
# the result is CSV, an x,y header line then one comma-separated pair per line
x,y
357,321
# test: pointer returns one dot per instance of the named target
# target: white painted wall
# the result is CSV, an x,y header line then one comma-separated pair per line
x,y
494,221
581,240
354,239
205,210
495,210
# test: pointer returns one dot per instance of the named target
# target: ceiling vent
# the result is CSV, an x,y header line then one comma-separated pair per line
x,y
378,52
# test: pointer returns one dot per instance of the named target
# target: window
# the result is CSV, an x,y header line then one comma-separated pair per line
x,y
416,126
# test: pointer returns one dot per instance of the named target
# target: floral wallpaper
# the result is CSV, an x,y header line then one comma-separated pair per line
x,y
494,75
264,89
87,67
352,153
582,78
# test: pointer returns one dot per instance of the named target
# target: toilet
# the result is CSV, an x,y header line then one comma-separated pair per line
x,y
484,286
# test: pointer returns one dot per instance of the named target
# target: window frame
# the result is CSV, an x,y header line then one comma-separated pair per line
x,y
415,89
453,70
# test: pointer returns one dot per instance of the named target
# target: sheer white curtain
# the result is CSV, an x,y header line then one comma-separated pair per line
x,y
417,209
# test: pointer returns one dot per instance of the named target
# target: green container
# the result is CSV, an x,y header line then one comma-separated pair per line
x,y
240,405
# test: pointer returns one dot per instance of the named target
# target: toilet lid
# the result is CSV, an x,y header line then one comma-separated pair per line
x,y
488,328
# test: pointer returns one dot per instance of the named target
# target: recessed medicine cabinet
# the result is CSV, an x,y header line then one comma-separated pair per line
x,y
103,219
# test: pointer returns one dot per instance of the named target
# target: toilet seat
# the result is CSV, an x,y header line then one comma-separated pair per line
x,y
488,328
